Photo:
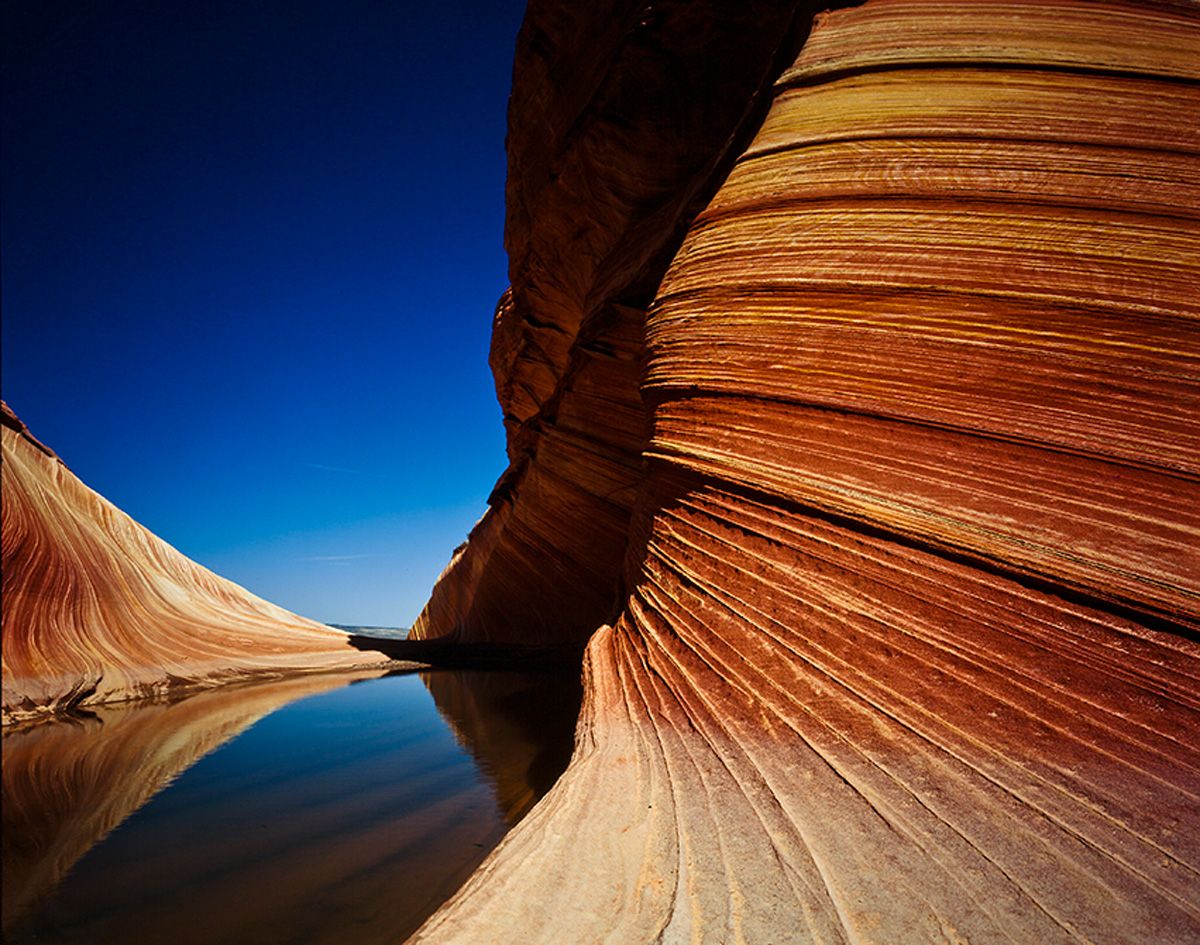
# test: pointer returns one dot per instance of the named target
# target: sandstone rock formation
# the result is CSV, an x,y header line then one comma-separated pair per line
x,y
619,130
97,609
885,477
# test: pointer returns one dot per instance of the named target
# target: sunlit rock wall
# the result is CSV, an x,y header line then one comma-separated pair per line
x,y
908,648
98,609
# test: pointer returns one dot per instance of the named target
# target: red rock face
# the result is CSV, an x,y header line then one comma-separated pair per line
x,y
623,120
907,641
97,609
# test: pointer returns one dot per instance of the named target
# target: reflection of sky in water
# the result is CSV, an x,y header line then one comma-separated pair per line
x,y
347,816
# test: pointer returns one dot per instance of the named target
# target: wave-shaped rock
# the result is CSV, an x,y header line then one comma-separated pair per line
x,y
904,582
619,128
98,609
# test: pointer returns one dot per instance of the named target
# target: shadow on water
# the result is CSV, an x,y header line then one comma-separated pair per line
x,y
446,653
519,727
306,811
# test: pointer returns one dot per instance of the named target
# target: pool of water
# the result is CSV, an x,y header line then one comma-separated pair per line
x,y
323,810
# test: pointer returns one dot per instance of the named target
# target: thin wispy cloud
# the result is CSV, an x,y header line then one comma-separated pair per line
x,y
340,469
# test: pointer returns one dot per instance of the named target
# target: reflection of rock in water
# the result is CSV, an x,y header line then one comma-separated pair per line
x,y
67,784
519,728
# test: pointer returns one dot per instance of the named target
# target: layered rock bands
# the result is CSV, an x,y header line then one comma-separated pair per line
x,y
98,609
851,374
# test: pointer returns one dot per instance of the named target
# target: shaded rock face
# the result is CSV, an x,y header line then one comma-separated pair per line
x,y
97,609
908,598
623,120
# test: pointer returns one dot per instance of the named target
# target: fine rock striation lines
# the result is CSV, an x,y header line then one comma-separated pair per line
x,y
97,609
901,640
623,119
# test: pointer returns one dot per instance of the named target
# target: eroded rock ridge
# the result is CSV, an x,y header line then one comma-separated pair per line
x,y
98,609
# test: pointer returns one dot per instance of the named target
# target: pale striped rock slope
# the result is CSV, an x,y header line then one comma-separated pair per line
x,y
98,609
904,647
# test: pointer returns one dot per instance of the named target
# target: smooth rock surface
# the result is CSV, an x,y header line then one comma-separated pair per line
x,y
904,648
98,609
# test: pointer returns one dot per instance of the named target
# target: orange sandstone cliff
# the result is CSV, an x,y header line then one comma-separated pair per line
x,y
851,376
97,609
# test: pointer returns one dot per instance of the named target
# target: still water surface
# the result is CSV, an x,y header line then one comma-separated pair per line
x,y
277,813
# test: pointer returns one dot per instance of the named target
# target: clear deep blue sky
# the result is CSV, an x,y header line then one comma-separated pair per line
x,y
250,256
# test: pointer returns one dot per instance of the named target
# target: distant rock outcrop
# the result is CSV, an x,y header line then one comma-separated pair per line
x,y
878,448
98,609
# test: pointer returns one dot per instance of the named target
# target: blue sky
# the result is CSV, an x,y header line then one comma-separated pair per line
x,y
250,256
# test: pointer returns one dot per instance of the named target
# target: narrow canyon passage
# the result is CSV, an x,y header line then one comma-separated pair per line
x,y
849,371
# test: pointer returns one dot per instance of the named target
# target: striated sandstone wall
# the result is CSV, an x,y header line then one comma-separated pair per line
x,y
907,647
623,119
98,609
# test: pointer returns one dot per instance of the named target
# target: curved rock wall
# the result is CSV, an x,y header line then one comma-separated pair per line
x,y
98,609
624,118
909,647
